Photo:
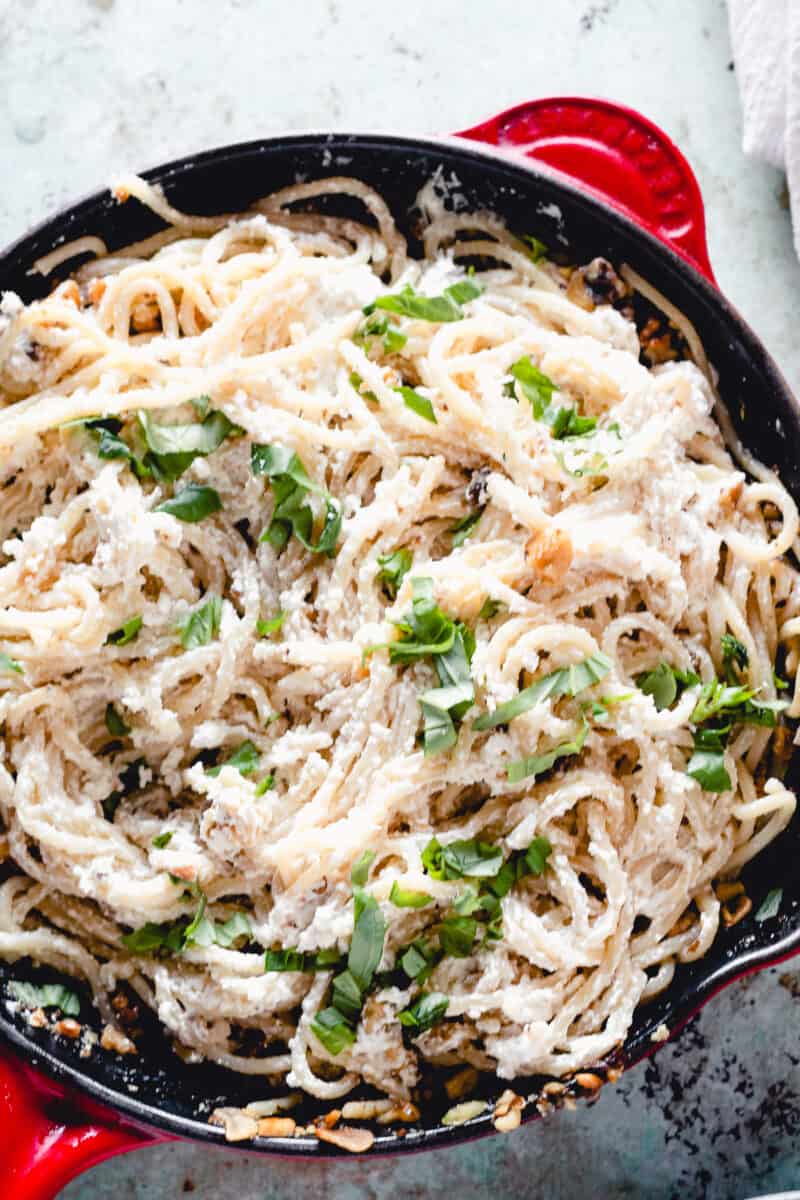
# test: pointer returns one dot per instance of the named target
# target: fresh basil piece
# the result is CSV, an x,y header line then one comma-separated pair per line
x,y
464,857
490,608
245,759
537,854
265,785
537,250
348,997
202,625
419,959
770,906
392,570
366,944
360,872
463,528
9,664
437,309
332,1030
292,515
284,960
408,898
45,995
162,840
708,768
272,625
173,448
537,388
567,681
151,937
426,1011
115,724
357,384
734,653
661,684
126,633
235,929
192,503
536,765
418,403
457,935
377,326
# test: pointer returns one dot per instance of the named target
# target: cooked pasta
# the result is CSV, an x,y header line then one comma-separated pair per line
x,y
377,686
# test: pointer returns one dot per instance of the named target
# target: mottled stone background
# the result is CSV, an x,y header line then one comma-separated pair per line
x,y
91,86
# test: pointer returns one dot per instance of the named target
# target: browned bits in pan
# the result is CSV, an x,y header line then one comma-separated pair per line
x,y
596,283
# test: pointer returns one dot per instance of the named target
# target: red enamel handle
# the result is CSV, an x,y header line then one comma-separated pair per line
x,y
618,155
48,1135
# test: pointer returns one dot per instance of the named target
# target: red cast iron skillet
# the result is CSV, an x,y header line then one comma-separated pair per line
x,y
587,177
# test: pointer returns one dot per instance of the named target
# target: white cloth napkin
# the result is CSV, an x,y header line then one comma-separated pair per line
x,y
766,49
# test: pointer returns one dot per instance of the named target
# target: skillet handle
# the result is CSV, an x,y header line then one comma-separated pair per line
x,y
49,1135
615,153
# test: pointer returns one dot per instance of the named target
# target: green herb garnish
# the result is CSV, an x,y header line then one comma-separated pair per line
x,y
9,664
407,898
292,515
418,403
126,633
567,681
45,995
463,528
115,724
245,759
202,625
392,570
162,840
272,625
438,309
523,768
192,503
426,1011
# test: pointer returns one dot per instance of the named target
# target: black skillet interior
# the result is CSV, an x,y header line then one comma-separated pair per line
x,y
157,1088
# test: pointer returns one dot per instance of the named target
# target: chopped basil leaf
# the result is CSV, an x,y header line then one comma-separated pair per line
x,y
661,684
265,785
538,764
245,760
366,945
114,723
537,251
201,405
734,651
393,569
780,684
708,768
419,404
126,633
465,857
538,388
378,326
173,448
425,630
163,839
490,608
357,384
407,898
202,625
331,1028
567,681
296,960
426,1011
291,515
45,995
192,503
347,996
9,664
360,871
463,528
596,464
770,906
236,927
270,626
439,309
537,854
418,960
456,936
444,707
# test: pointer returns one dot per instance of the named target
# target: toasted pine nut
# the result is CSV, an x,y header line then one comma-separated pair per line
x,y
277,1127
114,1039
460,1113
346,1137
238,1126
588,1081
68,1028
554,1088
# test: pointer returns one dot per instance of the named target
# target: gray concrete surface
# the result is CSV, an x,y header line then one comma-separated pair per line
x,y
90,86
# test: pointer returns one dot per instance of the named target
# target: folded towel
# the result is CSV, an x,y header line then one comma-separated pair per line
x,y
766,49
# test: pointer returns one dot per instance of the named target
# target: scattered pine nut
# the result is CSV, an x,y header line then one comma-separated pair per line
x,y
277,1127
346,1137
238,1126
